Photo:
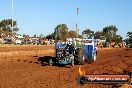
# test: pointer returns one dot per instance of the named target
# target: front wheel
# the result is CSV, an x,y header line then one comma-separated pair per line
x,y
50,62
95,56
72,60
72,63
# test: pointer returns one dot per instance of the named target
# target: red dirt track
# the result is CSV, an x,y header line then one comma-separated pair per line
x,y
20,68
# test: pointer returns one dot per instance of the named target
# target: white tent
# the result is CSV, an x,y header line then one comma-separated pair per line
x,y
18,36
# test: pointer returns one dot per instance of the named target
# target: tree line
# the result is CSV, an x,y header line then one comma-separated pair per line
x,y
109,32
7,28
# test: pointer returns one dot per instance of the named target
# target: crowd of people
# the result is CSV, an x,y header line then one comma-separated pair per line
x,y
25,40
121,44
43,41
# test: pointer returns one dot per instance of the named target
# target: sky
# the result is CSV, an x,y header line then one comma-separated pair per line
x,y
42,16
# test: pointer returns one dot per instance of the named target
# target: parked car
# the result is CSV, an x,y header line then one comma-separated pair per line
x,y
7,41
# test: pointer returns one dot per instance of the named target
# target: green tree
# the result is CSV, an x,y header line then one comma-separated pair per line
x,y
88,32
80,36
41,36
6,26
7,22
15,29
72,34
62,31
117,38
35,36
110,32
129,34
50,36
98,34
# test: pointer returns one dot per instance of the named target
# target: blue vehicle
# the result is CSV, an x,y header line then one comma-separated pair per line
x,y
90,49
73,51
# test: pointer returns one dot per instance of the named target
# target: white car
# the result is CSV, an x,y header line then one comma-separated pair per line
x,y
18,41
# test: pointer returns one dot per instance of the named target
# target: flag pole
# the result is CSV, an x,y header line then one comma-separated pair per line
x,y
77,30
12,14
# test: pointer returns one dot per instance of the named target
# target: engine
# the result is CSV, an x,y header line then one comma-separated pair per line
x,y
65,52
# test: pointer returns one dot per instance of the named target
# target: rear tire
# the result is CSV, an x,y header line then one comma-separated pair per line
x,y
80,56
